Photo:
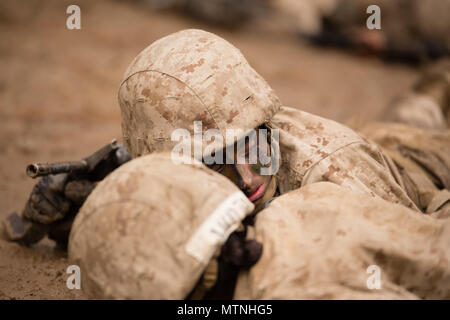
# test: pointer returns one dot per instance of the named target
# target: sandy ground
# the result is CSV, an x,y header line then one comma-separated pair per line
x,y
58,99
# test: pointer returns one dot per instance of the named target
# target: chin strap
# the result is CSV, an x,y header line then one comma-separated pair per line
x,y
207,280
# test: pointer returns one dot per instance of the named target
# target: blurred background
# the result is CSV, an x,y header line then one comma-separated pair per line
x,y
58,87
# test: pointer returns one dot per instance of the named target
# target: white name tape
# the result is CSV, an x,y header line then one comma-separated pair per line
x,y
214,231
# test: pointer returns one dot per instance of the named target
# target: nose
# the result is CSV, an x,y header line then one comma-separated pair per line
x,y
245,177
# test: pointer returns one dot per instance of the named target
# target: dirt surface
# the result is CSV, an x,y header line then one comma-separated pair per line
x,y
58,99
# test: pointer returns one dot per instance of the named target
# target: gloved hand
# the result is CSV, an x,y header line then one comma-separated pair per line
x,y
47,202
237,253
52,206
53,197
50,209
241,252
55,201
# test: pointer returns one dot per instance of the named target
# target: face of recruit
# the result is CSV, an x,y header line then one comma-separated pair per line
x,y
246,172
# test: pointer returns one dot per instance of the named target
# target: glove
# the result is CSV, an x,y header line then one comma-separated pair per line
x,y
51,208
237,253
47,202
55,201
78,190
56,196
241,252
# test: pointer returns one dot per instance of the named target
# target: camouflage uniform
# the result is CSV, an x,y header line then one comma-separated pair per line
x,y
427,104
328,237
422,159
151,228
315,149
417,139
195,75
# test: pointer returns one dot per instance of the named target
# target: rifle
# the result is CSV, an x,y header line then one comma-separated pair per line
x,y
83,166
94,168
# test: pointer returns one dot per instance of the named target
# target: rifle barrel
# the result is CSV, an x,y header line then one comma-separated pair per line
x,y
35,170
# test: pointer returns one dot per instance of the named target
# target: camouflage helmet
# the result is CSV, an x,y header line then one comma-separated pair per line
x,y
146,234
188,76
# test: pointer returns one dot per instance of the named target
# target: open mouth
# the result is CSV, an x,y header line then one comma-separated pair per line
x,y
257,193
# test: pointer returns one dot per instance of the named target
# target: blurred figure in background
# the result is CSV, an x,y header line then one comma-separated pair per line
x,y
427,104
229,13
411,30
302,16
415,134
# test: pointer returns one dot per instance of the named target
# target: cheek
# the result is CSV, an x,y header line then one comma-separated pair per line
x,y
256,168
230,174
257,178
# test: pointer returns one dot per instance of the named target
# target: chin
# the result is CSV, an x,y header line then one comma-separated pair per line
x,y
259,204
269,192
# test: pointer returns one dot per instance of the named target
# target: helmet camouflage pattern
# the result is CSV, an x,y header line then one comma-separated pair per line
x,y
188,76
